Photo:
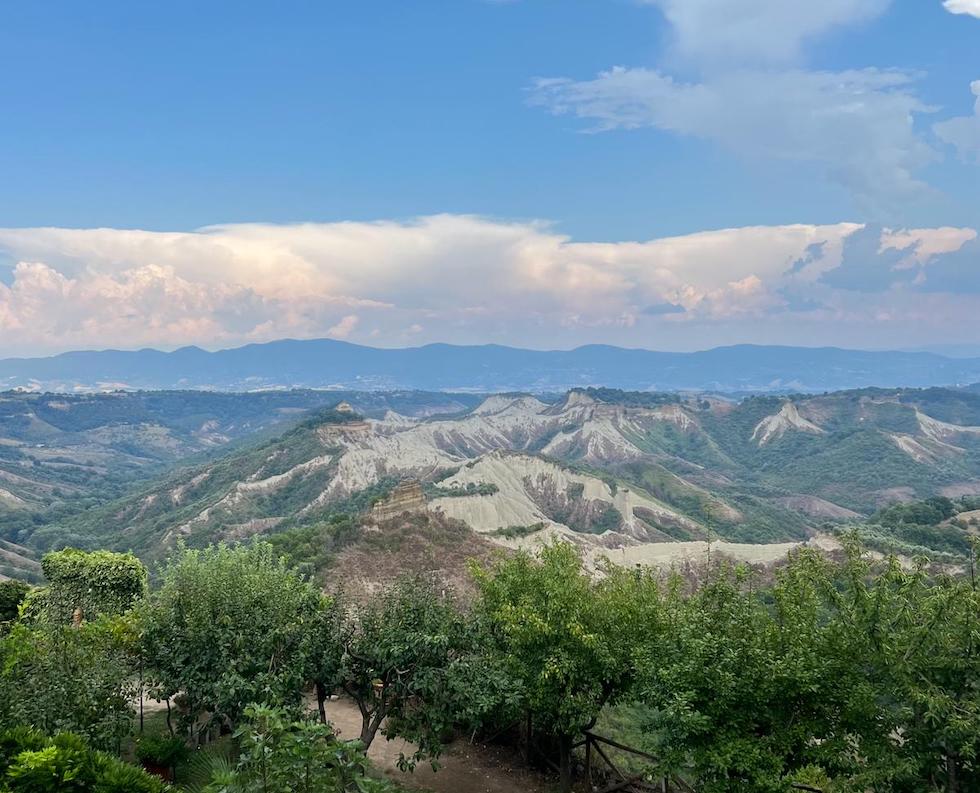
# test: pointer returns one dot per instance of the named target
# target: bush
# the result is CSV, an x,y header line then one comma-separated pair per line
x,y
227,627
279,755
91,584
163,751
33,763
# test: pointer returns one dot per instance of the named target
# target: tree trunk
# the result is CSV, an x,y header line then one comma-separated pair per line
x,y
367,734
952,782
565,763
526,743
321,698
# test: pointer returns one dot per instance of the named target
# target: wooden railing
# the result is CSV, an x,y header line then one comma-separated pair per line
x,y
614,779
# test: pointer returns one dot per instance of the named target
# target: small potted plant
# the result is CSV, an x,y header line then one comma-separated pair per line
x,y
160,754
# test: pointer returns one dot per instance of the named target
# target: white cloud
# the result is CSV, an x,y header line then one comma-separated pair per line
x,y
467,279
971,7
745,87
857,125
758,30
964,133
345,327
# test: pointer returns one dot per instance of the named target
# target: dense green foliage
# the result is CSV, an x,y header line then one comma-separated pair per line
x,y
638,399
12,594
458,491
920,528
57,678
397,654
162,751
87,585
32,763
227,627
312,546
864,680
559,634
850,676
517,532
283,755
930,512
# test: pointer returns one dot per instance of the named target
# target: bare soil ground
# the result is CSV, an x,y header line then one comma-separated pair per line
x,y
464,768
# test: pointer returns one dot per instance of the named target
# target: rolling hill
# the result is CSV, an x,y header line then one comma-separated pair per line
x,y
627,474
61,454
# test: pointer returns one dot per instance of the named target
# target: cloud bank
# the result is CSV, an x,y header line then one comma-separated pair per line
x,y
475,280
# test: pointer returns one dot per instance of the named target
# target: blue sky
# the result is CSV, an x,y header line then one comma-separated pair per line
x,y
581,121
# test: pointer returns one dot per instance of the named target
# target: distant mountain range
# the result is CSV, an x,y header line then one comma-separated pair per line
x,y
327,363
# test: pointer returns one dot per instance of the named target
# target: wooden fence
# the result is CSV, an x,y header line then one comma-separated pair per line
x,y
612,778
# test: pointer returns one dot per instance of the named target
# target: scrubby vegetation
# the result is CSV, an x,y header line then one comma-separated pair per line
x,y
931,527
518,532
458,491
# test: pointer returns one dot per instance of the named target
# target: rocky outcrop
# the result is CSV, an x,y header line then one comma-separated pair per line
x,y
406,497
788,419
343,434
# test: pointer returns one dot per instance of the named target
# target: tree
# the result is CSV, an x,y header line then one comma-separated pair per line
x,y
227,627
565,637
325,650
739,687
924,637
398,653
860,675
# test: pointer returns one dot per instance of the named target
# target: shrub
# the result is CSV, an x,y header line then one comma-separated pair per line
x,y
280,755
57,678
12,594
161,750
32,763
92,583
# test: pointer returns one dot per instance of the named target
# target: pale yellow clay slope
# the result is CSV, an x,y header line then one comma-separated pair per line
x,y
788,419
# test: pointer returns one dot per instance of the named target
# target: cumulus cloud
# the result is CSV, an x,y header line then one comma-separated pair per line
x,y
472,280
856,125
874,260
964,132
750,30
345,327
971,7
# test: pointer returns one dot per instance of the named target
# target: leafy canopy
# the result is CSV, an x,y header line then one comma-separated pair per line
x,y
227,627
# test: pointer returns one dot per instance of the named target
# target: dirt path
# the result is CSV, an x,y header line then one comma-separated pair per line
x,y
463,768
